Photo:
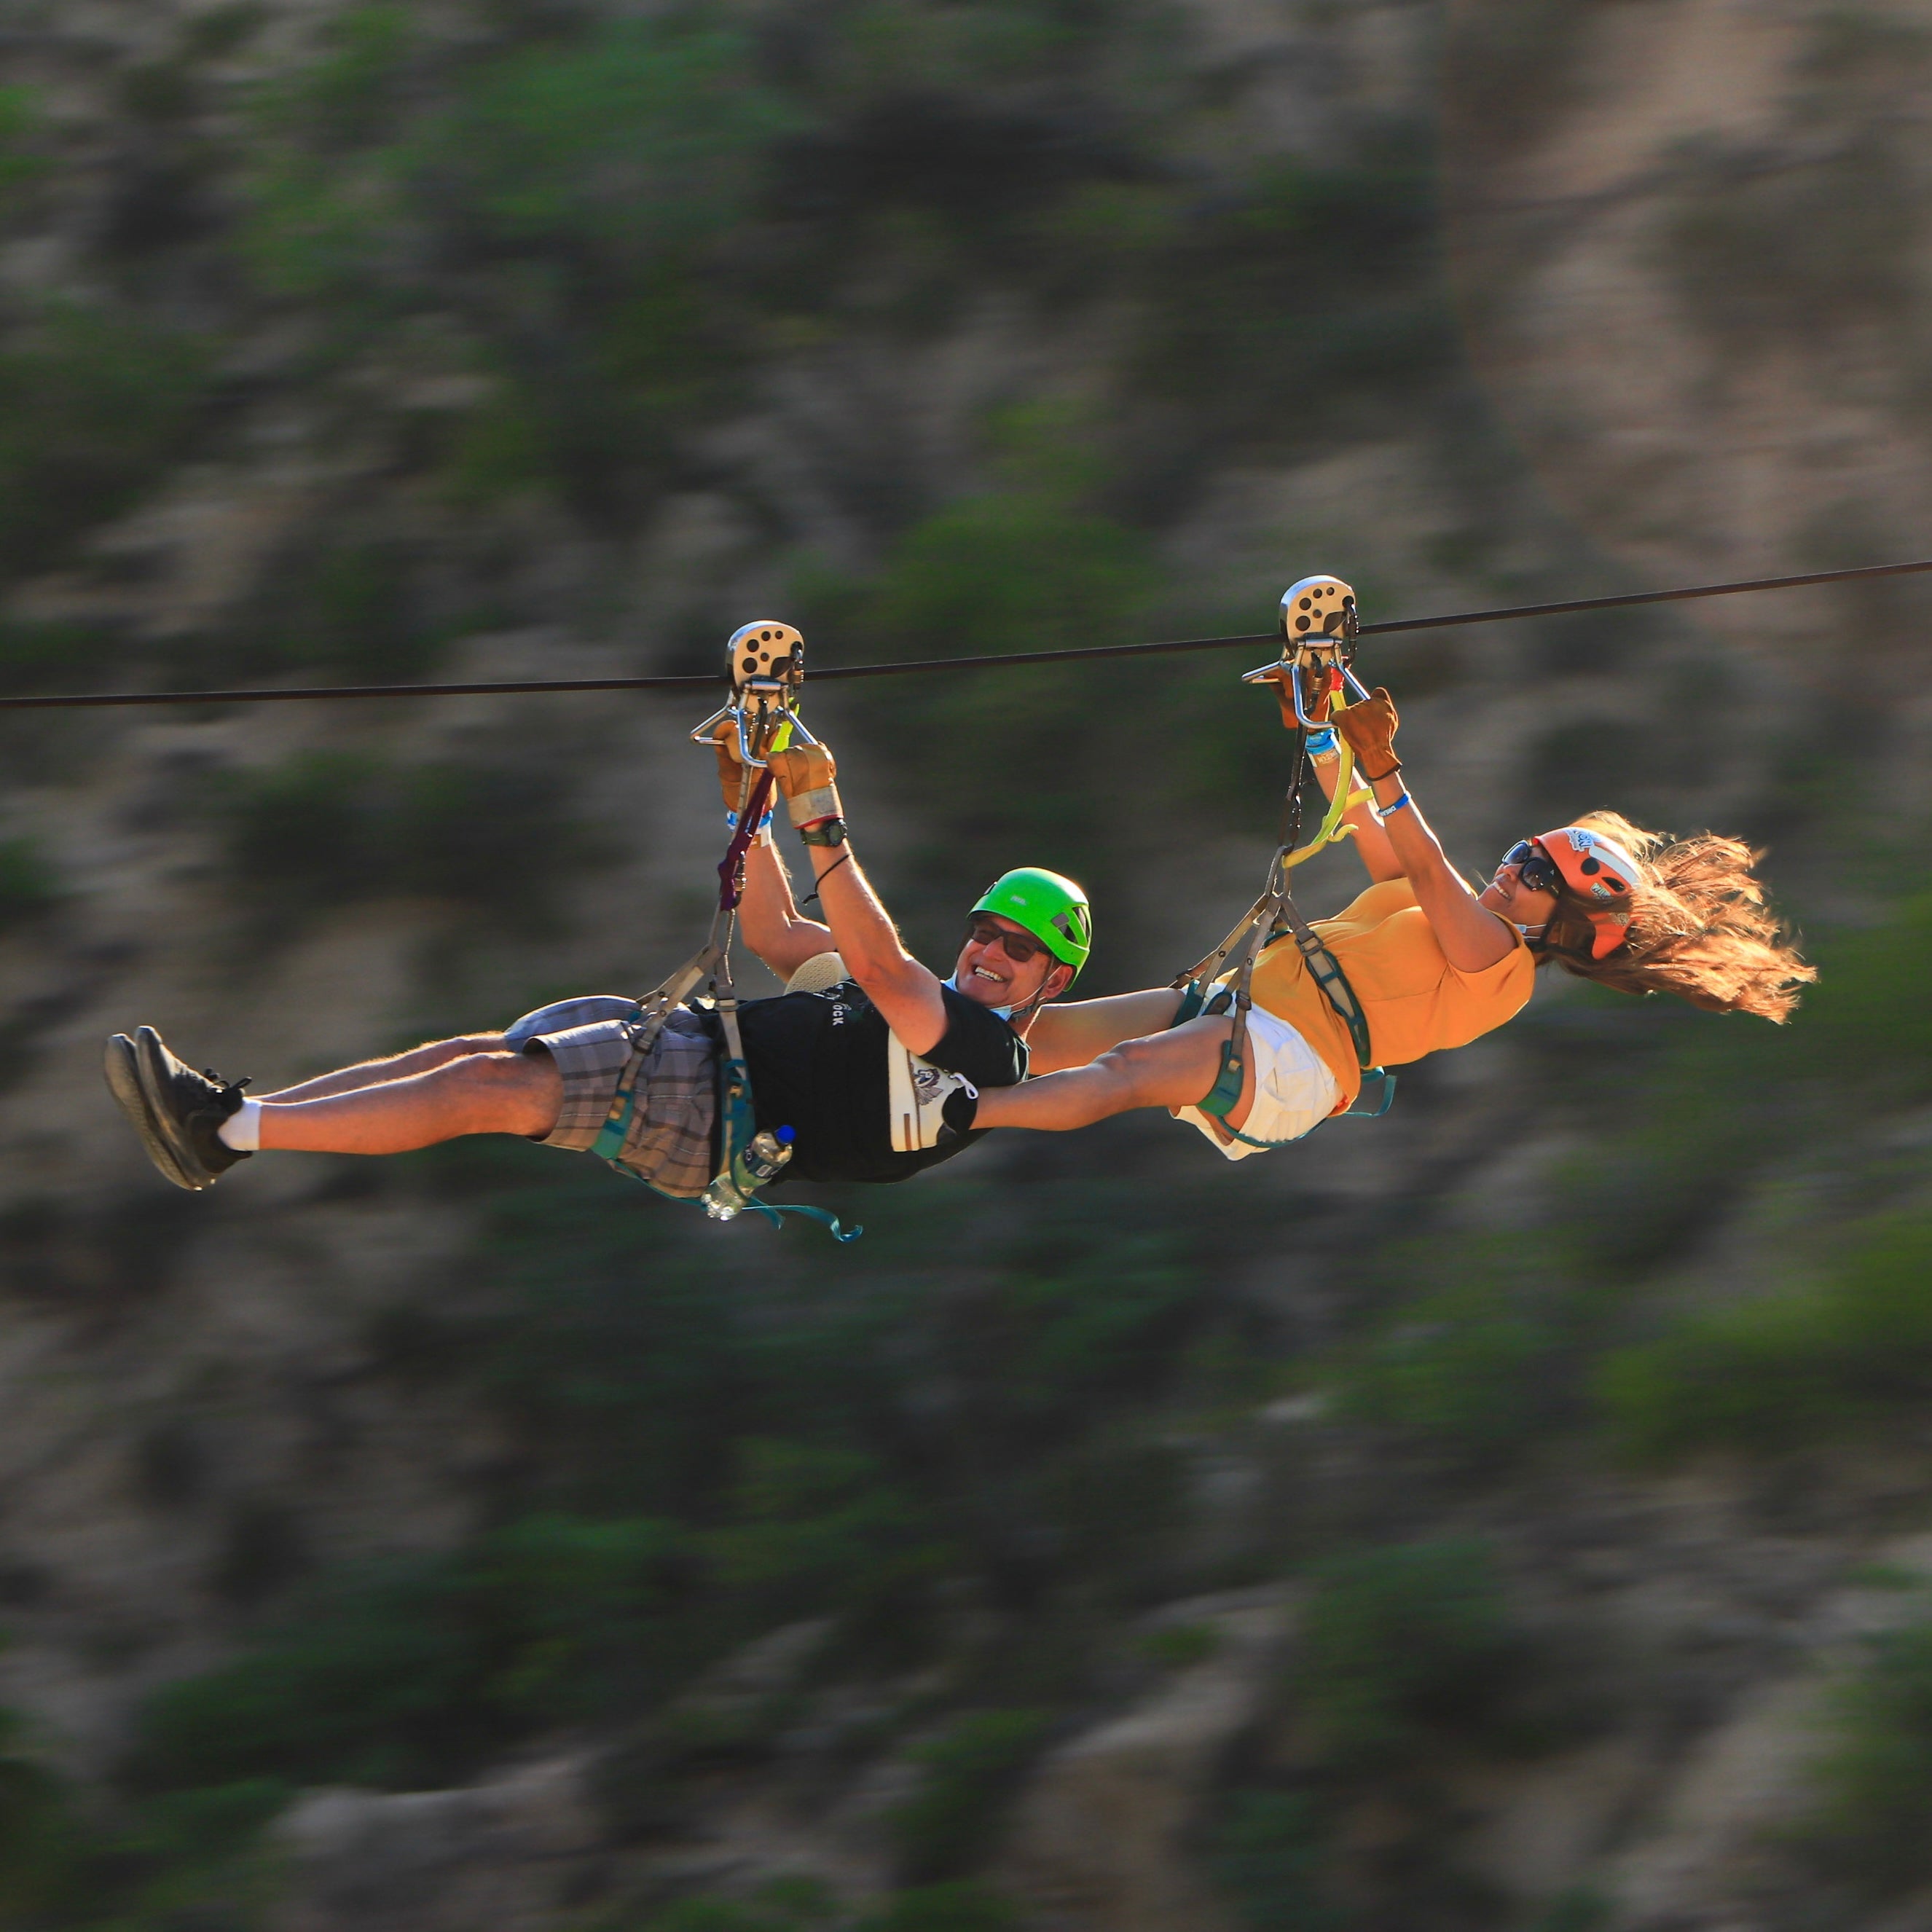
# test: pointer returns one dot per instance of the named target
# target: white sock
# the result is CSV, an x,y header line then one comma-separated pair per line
x,y
242,1129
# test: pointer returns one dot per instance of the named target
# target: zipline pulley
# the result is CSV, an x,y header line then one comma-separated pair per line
x,y
1319,626
765,663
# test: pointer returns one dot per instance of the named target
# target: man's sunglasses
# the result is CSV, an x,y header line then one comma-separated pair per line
x,y
1020,946
1538,871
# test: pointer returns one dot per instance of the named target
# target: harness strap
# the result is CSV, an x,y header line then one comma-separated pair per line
x,y
1273,914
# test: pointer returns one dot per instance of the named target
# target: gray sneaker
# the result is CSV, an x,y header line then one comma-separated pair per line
x,y
124,1082
180,1111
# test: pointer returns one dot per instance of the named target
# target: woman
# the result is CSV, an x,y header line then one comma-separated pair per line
x,y
1434,964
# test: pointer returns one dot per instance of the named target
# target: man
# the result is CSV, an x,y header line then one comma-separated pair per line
x,y
876,1073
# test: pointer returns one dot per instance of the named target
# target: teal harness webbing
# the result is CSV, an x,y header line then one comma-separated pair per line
x,y
1272,916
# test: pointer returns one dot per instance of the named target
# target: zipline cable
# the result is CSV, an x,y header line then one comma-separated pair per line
x,y
95,700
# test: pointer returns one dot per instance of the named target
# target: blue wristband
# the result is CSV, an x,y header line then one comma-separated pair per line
x,y
1321,742
1384,810
764,824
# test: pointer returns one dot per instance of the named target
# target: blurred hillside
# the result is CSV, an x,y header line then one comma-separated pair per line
x,y
1515,1513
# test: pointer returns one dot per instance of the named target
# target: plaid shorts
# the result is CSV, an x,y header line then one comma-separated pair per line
x,y
671,1140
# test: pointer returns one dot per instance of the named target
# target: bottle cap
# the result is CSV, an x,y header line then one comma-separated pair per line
x,y
786,1136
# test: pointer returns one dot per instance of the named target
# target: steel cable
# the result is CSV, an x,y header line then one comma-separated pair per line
x,y
707,681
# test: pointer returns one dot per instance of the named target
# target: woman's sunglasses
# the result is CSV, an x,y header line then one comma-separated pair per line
x,y
1020,946
1537,869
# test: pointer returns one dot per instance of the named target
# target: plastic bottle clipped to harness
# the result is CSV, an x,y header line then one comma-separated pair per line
x,y
1314,673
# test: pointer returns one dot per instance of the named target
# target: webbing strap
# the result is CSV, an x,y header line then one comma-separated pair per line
x,y
1274,913
776,1212
646,1021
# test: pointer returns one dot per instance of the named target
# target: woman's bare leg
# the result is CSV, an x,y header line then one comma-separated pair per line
x,y
1167,1069
488,1093
379,1073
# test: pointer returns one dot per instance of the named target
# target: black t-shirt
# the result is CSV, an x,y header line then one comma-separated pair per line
x,y
817,1063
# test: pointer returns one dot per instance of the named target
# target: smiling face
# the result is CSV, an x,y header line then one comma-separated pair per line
x,y
1519,904
987,974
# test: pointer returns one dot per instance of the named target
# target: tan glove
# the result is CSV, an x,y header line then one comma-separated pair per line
x,y
1284,694
730,768
1370,727
805,774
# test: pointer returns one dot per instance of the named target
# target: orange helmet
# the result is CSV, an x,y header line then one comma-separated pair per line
x,y
1595,869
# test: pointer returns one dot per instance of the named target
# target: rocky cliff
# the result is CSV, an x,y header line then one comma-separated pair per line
x,y
1511,1514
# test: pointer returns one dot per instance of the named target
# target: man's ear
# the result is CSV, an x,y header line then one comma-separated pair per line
x,y
1057,981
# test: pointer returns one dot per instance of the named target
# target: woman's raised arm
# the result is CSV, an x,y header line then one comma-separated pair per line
x,y
1472,938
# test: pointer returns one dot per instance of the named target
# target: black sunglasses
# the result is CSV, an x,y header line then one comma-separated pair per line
x,y
1538,871
1020,946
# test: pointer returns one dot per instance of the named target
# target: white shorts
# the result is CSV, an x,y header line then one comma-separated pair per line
x,y
1294,1092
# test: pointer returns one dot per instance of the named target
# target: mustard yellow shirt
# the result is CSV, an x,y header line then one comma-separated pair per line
x,y
1415,1002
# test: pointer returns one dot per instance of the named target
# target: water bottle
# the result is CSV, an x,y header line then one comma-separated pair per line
x,y
757,1163
764,1155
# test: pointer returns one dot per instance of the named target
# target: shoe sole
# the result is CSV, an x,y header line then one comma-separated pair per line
x,y
122,1068
154,1066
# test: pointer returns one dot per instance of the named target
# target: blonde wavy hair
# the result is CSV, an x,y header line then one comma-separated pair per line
x,y
1699,928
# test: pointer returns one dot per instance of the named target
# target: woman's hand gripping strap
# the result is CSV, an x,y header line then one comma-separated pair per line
x,y
1370,728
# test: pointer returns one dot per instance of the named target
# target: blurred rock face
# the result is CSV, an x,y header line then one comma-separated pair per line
x,y
1485,1518
1690,245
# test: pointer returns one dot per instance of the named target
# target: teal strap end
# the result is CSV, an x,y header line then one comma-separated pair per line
x,y
1379,1083
831,1223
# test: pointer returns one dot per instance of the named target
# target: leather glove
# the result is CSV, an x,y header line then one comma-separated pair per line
x,y
1370,727
805,774
1318,708
730,770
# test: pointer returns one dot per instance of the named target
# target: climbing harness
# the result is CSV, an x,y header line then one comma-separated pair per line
x,y
1318,630
765,663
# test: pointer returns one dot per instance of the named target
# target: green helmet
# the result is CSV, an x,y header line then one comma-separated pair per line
x,y
1054,910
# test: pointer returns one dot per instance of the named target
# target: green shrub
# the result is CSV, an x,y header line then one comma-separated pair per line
x,y
1581,1908
1026,569
647,135
50,657
334,828
401,1673
21,161
958,1907
1874,1820
1397,1642
1178,1646
784,1905
1791,1368
1477,1365
353,609
969,1776
92,405
42,1843
1268,1856
817,1527
28,884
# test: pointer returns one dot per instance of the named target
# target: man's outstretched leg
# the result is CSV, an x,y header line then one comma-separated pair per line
x,y
188,1121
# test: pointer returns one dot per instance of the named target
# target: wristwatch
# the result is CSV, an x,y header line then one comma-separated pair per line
x,y
827,832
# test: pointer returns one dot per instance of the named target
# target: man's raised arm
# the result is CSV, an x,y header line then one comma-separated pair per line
x,y
905,992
